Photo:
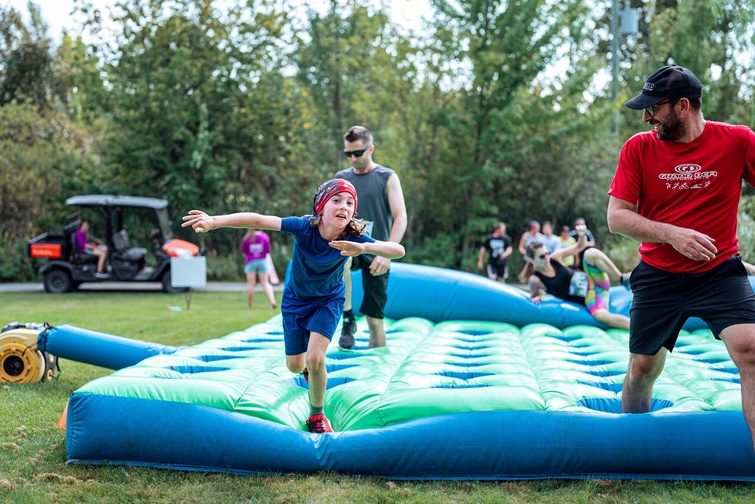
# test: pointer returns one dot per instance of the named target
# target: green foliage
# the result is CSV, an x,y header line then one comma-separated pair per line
x,y
202,114
41,159
225,268
440,251
496,111
746,228
28,71
623,252
709,37
17,266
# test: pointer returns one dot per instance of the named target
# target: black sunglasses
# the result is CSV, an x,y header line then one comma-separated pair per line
x,y
357,153
652,108
543,256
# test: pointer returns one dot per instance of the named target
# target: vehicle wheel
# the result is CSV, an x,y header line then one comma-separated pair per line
x,y
58,281
168,288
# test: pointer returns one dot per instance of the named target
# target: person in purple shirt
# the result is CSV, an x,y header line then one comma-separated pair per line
x,y
255,247
314,290
87,247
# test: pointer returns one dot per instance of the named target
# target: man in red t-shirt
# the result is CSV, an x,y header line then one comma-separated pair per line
x,y
676,190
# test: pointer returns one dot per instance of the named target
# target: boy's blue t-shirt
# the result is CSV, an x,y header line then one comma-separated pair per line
x,y
316,267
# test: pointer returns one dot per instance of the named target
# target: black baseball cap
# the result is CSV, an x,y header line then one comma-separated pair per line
x,y
671,81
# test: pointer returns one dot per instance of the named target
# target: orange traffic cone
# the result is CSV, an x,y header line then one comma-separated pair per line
x,y
63,418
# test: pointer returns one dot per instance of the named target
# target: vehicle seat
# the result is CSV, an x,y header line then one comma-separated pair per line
x,y
120,244
74,248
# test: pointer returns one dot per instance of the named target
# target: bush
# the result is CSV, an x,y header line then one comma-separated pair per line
x,y
17,266
438,251
224,268
623,252
746,233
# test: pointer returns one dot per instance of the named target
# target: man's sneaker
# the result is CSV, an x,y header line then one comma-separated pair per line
x,y
101,275
348,329
305,374
625,280
319,424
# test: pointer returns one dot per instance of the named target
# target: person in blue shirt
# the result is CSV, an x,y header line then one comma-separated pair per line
x,y
313,294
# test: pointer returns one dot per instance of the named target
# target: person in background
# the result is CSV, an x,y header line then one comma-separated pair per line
x,y
567,241
85,246
313,293
383,210
590,288
580,221
255,246
550,240
676,190
531,235
498,247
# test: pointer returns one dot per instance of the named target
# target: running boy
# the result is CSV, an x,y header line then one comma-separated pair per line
x,y
313,294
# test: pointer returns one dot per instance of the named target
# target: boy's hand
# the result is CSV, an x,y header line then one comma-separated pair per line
x,y
198,220
348,248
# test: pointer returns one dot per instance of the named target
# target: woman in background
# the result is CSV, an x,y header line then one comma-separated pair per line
x,y
255,247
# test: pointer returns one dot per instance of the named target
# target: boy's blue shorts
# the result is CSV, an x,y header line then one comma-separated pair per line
x,y
301,317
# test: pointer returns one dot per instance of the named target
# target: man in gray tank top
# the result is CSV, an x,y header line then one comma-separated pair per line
x,y
382,207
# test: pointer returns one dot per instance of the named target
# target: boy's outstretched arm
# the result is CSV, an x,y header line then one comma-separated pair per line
x,y
201,222
387,249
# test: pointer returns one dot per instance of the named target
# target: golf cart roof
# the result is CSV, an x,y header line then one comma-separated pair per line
x,y
105,200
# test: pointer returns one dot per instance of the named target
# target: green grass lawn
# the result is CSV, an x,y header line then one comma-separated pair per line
x,y
32,449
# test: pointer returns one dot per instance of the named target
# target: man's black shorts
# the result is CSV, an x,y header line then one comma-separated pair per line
x,y
375,288
663,302
499,269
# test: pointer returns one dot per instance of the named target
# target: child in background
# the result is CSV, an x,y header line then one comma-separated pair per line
x,y
313,294
255,247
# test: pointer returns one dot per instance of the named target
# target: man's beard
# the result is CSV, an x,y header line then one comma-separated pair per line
x,y
672,129
360,165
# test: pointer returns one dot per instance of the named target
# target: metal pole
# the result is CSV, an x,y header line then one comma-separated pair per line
x,y
614,61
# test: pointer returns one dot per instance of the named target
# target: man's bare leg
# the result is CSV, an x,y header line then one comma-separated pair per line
x,y
643,370
740,342
377,331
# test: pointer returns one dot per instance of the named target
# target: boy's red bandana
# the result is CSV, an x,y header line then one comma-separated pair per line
x,y
329,189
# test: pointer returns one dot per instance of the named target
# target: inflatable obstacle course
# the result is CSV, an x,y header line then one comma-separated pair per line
x,y
448,398
464,399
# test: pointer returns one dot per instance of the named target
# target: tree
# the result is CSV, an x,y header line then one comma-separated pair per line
x,y
27,63
508,132
347,65
710,37
194,101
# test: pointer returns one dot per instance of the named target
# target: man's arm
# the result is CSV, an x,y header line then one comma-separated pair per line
x,y
395,196
624,220
481,257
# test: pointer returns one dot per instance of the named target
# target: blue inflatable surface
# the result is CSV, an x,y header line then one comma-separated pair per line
x,y
476,383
